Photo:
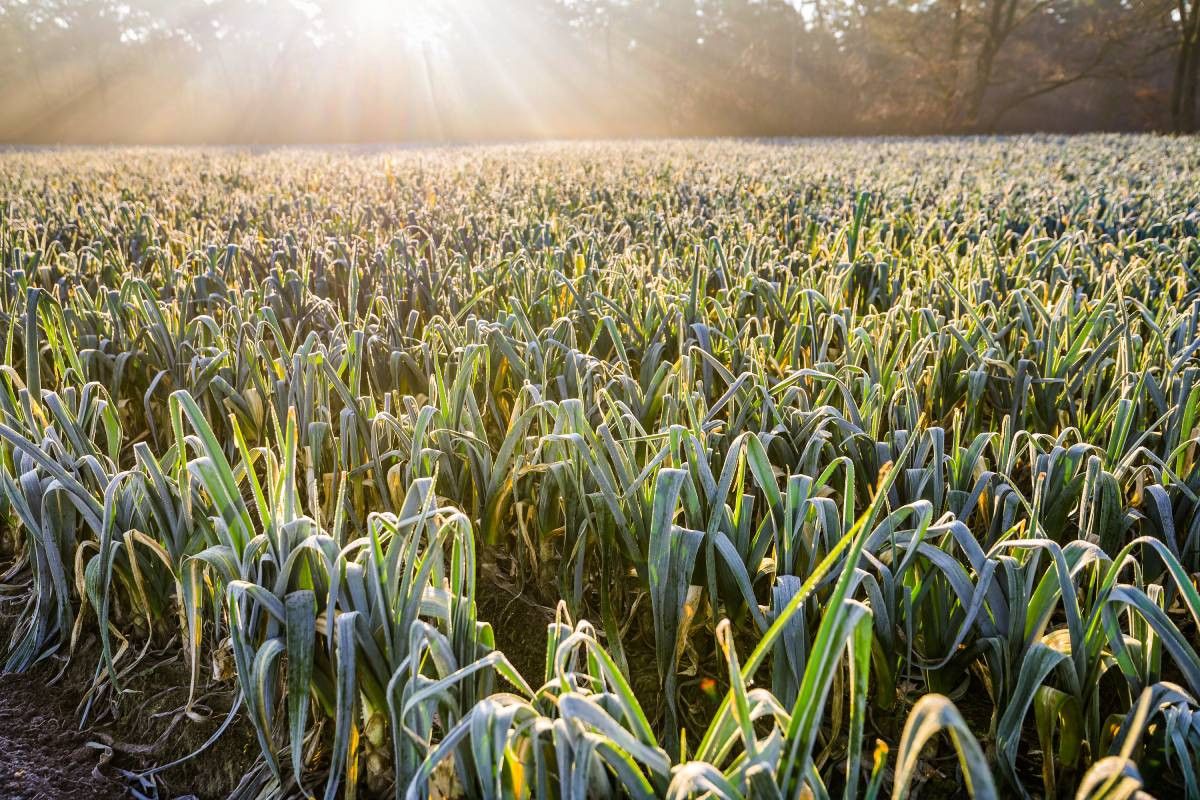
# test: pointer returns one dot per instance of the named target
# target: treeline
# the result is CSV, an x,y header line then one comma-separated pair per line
x,y
368,70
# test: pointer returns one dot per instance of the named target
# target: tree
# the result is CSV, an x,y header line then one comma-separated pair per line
x,y
322,70
1187,66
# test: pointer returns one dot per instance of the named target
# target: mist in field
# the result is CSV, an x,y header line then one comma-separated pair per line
x,y
247,71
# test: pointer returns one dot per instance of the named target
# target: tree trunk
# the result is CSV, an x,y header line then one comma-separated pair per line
x,y
979,86
951,111
1181,60
1187,64
998,27
1188,111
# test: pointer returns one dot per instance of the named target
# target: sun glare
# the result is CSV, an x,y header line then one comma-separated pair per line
x,y
421,22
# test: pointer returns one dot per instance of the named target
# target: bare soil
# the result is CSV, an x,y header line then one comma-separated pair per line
x,y
519,622
43,754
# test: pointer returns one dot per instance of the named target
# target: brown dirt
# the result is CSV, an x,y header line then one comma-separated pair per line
x,y
43,754
518,615
519,623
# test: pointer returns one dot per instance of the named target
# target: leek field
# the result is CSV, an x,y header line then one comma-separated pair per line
x,y
825,469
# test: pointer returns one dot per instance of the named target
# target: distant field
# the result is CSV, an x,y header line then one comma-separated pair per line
x,y
723,469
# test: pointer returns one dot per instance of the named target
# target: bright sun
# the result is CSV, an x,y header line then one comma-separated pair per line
x,y
418,21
